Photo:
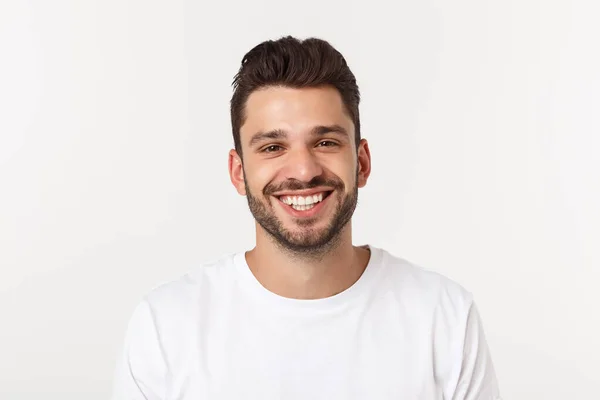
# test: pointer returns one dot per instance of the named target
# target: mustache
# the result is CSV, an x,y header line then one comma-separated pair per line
x,y
294,184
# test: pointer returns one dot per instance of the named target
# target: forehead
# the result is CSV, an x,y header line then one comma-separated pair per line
x,y
294,110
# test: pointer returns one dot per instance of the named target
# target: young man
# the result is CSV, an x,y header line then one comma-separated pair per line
x,y
304,314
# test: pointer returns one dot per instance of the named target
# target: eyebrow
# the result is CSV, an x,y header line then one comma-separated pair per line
x,y
281,134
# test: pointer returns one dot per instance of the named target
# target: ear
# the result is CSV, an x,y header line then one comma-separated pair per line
x,y
364,163
236,172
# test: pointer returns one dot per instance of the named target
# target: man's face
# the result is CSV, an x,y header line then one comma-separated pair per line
x,y
300,165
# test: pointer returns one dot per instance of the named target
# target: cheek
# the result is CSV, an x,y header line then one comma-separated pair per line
x,y
346,175
258,179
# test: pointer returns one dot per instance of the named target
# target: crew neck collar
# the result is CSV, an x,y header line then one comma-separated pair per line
x,y
251,284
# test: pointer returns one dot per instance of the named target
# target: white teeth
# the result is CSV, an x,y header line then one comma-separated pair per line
x,y
303,208
302,201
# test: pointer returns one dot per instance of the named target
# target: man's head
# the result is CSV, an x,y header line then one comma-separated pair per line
x,y
296,130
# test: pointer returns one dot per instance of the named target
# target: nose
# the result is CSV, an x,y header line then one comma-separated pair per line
x,y
303,165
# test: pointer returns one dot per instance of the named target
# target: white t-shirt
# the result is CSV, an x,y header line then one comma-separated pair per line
x,y
400,332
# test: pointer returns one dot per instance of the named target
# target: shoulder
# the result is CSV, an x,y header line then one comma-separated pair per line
x,y
425,287
443,308
182,295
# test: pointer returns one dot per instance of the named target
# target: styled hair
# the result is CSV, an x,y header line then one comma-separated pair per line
x,y
294,63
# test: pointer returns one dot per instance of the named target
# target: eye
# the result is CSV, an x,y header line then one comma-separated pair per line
x,y
269,149
329,142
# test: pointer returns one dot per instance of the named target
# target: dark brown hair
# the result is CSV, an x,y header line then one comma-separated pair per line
x,y
293,63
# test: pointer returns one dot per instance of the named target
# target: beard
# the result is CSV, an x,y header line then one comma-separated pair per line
x,y
308,240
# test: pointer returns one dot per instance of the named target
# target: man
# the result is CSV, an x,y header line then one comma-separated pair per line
x,y
304,314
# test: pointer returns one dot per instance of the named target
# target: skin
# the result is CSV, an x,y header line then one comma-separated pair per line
x,y
301,258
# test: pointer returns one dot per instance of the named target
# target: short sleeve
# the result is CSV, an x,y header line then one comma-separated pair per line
x,y
477,379
141,369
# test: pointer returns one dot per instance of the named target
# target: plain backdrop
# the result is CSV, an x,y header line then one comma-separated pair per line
x,y
483,123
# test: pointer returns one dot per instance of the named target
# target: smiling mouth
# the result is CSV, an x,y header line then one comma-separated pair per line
x,y
304,203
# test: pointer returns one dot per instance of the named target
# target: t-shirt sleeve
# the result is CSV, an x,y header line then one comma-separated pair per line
x,y
477,379
141,369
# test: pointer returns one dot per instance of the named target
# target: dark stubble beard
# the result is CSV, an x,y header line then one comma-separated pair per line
x,y
310,243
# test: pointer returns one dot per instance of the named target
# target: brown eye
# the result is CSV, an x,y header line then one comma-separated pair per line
x,y
269,149
330,143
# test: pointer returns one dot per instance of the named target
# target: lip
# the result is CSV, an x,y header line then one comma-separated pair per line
x,y
306,192
306,213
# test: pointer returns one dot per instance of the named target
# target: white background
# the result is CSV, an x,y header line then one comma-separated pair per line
x,y
483,123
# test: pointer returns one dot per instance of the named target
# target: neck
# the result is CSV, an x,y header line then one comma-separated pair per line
x,y
304,277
